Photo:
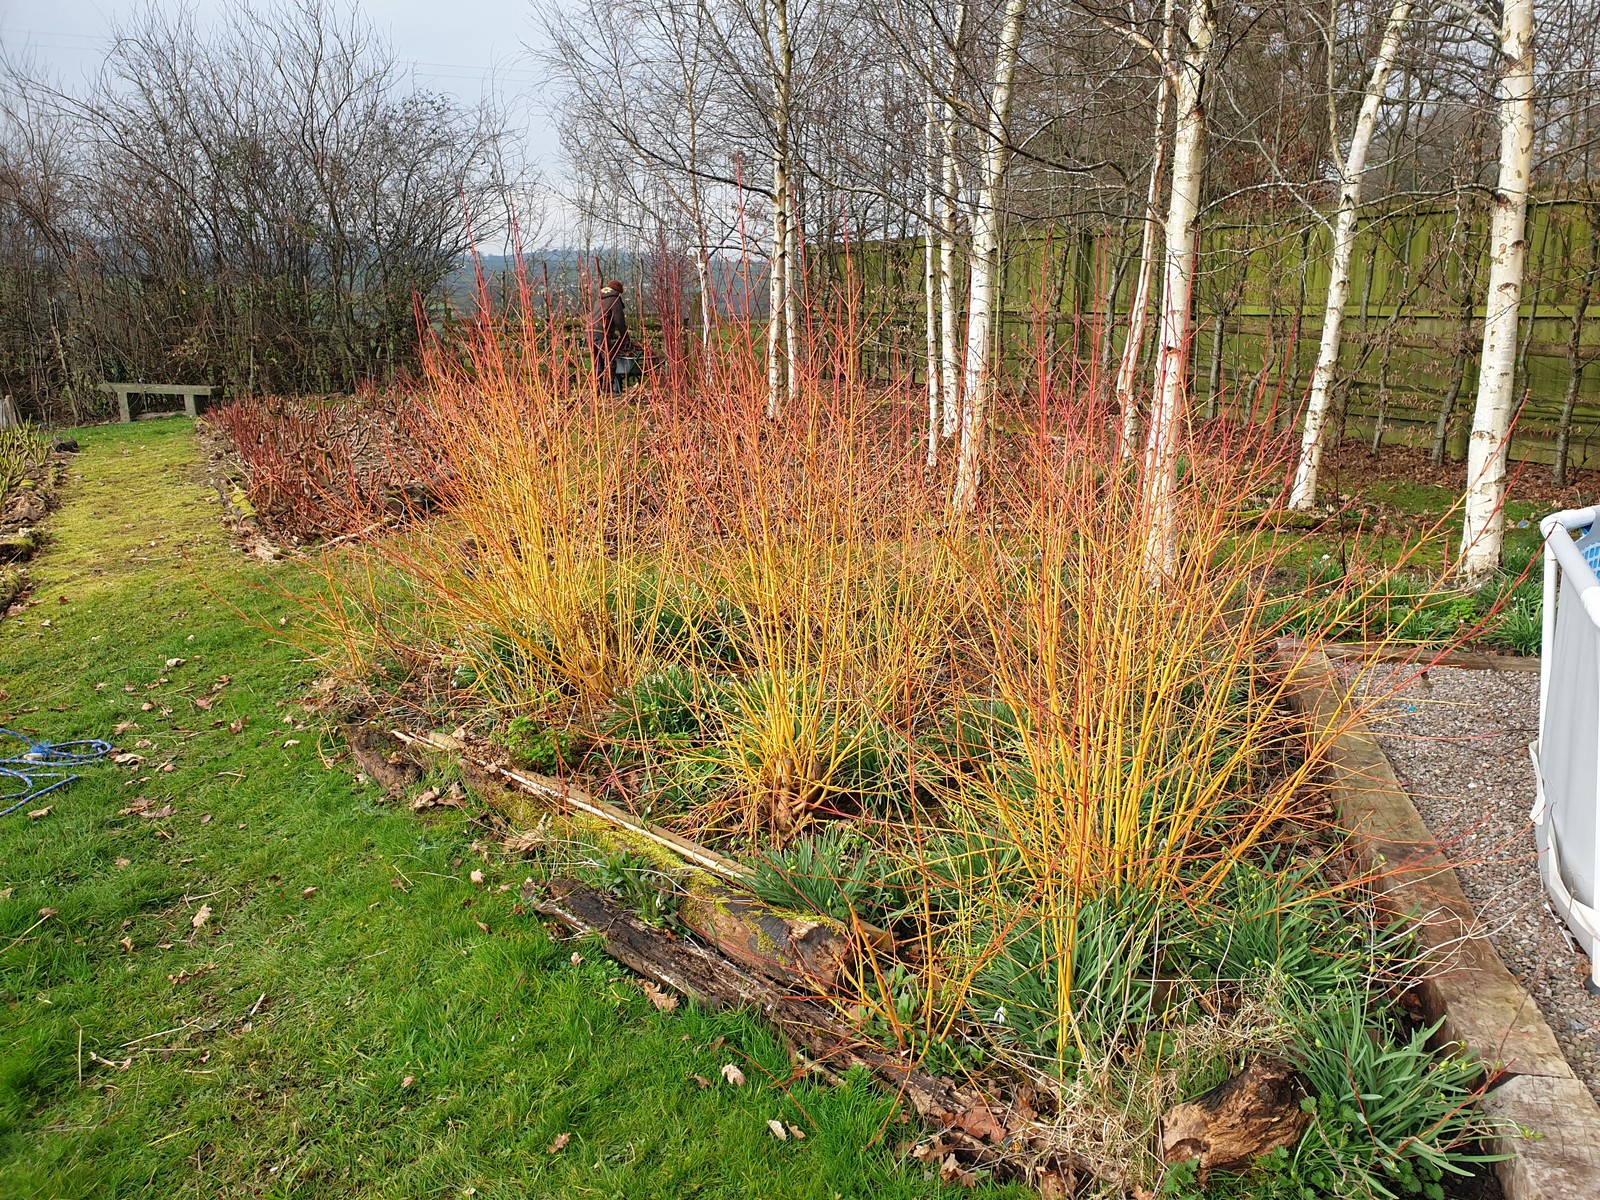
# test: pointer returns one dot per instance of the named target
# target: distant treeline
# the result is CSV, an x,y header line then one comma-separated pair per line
x,y
257,208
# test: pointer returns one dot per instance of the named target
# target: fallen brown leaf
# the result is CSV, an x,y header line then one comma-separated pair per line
x,y
236,725
951,1171
408,1081
141,808
309,892
663,1001
558,1143
732,1074
127,944
981,1123
183,977
778,1131
701,1080
41,812
522,841
476,877
204,703
797,1133
201,916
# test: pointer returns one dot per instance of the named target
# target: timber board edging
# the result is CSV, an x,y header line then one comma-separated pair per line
x,y
1549,1124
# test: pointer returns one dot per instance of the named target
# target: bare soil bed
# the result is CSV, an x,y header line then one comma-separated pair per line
x,y
1458,740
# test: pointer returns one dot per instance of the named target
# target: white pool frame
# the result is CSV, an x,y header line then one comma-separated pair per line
x,y
1566,758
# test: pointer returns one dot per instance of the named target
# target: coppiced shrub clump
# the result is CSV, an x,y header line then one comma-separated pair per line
x,y
1073,791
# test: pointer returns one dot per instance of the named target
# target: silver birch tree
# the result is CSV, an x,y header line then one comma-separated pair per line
x,y
1352,167
1484,526
1183,214
978,389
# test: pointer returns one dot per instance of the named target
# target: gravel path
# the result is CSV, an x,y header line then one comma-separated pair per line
x,y
1458,740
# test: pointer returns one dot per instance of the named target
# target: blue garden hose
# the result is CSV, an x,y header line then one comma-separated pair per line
x,y
45,766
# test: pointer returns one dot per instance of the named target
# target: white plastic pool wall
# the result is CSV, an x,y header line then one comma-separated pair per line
x,y
1566,813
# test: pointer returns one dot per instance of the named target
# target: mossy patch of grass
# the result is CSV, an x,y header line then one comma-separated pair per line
x,y
346,952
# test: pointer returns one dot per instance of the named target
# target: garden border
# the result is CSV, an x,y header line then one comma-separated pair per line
x,y
1549,1123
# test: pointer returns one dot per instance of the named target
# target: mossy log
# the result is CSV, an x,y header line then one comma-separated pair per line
x,y
975,1129
783,946
18,547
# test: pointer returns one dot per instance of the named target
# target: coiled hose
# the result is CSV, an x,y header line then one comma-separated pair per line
x,y
44,766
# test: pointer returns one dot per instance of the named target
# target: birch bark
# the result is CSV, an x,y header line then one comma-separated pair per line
x,y
979,383
932,220
1139,305
949,309
1177,320
1304,493
780,291
1484,527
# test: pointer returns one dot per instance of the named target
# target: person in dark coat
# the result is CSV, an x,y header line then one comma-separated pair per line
x,y
608,335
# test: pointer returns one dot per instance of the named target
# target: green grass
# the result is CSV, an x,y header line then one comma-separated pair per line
x,y
270,1047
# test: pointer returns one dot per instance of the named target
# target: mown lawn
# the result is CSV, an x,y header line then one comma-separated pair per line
x,y
355,1018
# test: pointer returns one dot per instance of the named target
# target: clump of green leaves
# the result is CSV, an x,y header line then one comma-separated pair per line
x,y
640,884
540,748
1272,921
835,872
1389,1120
22,447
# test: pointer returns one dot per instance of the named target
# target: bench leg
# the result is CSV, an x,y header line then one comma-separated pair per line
x,y
122,404
188,404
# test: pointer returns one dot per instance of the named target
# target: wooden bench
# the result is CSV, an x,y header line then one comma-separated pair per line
x,y
190,393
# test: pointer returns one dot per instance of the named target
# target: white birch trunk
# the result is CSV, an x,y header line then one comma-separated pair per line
x,y
979,383
777,278
1183,211
949,309
708,302
793,269
780,290
1139,304
931,221
1508,251
1304,493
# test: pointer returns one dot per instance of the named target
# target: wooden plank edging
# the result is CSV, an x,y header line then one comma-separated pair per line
x,y
1549,1124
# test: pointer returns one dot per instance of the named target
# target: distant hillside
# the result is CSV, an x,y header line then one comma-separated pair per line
x,y
565,271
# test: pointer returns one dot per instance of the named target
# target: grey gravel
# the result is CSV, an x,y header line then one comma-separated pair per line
x,y
1458,740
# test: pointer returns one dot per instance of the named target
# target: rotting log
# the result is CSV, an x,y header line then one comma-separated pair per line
x,y
784,946
1255,1112
387,767
562,792
983,1130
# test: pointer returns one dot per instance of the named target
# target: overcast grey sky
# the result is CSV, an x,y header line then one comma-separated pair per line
x,y
456,46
